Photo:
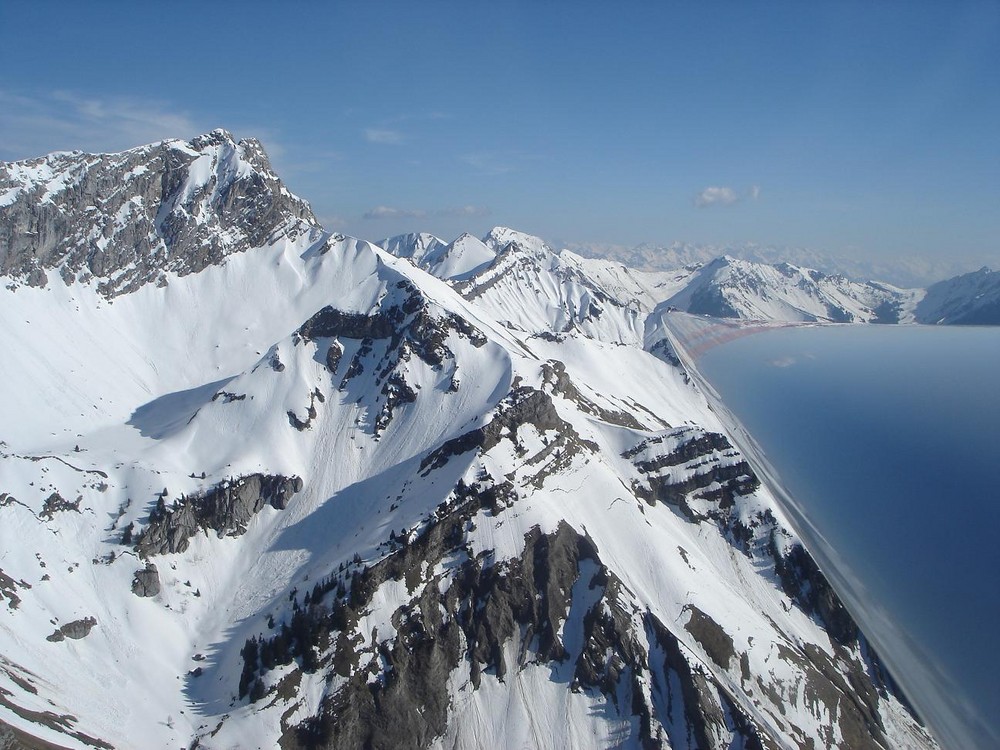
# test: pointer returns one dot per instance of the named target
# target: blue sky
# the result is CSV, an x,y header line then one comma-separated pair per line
x,y
867,129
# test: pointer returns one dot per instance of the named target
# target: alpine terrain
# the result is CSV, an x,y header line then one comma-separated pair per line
x,y
266,486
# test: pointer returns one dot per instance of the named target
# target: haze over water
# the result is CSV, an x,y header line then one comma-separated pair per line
x,y
888,440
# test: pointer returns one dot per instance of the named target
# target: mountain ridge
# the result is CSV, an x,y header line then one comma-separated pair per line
x,y
309,483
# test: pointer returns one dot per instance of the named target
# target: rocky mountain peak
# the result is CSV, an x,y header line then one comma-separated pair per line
x,y
128,219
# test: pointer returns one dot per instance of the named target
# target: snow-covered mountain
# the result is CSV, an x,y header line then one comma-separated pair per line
x,y
731,288
526,269
265,486
906,272
544,292
970,299
534,282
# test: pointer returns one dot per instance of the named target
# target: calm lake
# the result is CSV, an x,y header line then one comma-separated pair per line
x,y
887,442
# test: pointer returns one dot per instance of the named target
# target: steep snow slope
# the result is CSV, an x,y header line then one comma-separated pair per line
x,y
316,496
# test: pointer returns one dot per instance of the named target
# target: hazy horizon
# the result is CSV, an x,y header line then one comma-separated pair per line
x,y
859,132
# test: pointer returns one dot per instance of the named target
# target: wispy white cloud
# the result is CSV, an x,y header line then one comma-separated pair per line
x,y
384,136
388,212
429,115
464,211
489,164
332,222
724,196
31,125
716,196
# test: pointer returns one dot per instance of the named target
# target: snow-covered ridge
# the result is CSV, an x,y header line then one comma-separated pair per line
x,y
564,286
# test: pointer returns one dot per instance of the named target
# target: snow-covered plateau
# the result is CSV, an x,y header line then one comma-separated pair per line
x,y
262,485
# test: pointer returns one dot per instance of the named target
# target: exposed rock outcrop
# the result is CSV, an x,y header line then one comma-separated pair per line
x,y
76,630
146,582
524,405
126,219
697,472
225,509
393,693
8,590
56,503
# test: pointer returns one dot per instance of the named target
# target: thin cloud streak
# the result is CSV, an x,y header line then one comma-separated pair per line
x,y
488,164
384,136
465,211
32,125
389,212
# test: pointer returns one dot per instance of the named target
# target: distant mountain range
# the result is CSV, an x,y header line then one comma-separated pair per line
x,y
262,485
902,271
723,287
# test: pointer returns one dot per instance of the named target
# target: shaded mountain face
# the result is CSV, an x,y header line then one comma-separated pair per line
x,y
309,495
970,299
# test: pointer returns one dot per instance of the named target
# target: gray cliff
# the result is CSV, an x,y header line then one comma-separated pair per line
x,y
126,219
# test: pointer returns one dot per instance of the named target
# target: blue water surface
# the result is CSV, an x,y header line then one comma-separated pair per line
x,y
888,440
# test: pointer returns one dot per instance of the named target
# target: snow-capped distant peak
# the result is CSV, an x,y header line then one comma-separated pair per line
x,y
416,245
500,238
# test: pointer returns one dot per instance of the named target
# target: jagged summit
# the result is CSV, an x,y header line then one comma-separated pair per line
x,y
127,219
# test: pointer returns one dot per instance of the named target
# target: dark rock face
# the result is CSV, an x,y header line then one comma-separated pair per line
x,y
125,219
970,299
333,323
554,374
55,503
226,509
709,300
304,424
146,582
393,693
410,322
523,405
888,312
76,630
333,355
689,464
407,328
12,738
8,589
718,644
803,582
